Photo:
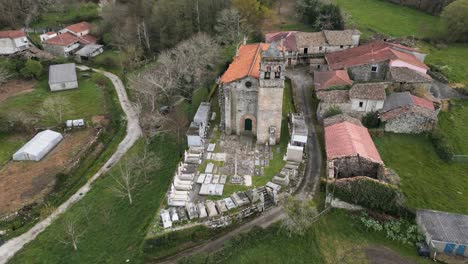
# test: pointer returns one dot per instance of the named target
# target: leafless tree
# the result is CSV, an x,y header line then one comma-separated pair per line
x,y
4,75
71,233
230,27
299,214
55,108
126,179
147,162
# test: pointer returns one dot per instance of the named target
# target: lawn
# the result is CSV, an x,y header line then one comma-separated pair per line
x,y
111,230
335,238
9,145
454,124
426,180
84,102
379,16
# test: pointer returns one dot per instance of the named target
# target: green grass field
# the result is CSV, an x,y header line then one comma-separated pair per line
x,y
335,238
83,12
454,124
85,102
451,61
111,230
9,145
378,16
426,180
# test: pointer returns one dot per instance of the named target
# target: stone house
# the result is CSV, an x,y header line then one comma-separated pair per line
x,y
367,97
406,113
445,233
62,77
372,62
327,79
406,79
350,150
333,99
302,47
251,92
69,40
12,41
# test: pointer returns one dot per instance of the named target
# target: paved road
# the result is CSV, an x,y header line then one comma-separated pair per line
x,y
301,83
12,246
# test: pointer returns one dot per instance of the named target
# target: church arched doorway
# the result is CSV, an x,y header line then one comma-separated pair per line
x,y
248,124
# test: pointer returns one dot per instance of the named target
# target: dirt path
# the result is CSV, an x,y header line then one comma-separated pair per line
x,y
15,87
9,249
384,255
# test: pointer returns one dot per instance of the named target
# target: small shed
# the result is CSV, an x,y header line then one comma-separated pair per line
x,y
445,232
63,77
88,52
38,146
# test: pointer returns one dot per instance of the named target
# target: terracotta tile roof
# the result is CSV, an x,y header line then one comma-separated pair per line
x,y
12,34
406,75
347,139
246,63
372,52
87,39
64,39
370,91
288,37
306,39
422,102
326,79
339,37
79,27
336,96
51,33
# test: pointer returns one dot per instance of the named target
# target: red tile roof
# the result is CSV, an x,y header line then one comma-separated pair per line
x,y
373,52
327,79
422,102
88,39
12,34
245,63
64,39
288,37
347,139
79,27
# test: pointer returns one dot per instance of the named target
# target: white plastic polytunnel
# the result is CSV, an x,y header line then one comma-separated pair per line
x,y
38,146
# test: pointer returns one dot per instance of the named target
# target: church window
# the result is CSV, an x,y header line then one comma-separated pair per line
x,y
361,104
248,84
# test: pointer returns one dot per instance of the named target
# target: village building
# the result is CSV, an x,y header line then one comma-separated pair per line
x,y
336,99
324,80
299,136
350,149
406,79
69,40
38,146
445,233
12,41
406,113
47,35
373,62
251,93
62,77
88,52
79,29
367,97
309,47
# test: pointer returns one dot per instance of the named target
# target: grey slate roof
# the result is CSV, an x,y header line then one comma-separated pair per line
x,y
445,227
370,91
88,50
273,51
61,73
397,100
406,75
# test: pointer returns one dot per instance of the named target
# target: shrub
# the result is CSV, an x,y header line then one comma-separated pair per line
x,y
443,148
32,69
371,120
332,111
108,61
100,79
339,87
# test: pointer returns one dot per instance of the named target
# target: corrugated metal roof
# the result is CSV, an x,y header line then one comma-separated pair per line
x,y
443,226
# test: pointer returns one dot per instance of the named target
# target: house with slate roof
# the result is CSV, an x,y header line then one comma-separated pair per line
x,y
251,92
350,150
407,113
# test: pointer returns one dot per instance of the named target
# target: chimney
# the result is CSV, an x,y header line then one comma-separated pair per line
x,y
245,40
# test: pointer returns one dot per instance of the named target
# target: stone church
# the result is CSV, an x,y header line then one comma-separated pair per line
x,y
251,93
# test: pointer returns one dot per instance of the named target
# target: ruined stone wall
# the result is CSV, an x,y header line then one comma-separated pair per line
x,y
363,73
55,50
410,122
414,88
323,108
433,7
348,167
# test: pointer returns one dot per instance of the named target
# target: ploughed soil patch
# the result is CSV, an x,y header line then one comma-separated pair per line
x,y
25,182
15,87
383,255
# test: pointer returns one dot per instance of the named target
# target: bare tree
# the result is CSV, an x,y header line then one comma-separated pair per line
x,y
55,108
4,75
299,215
126,179
147,162
230,27
71,233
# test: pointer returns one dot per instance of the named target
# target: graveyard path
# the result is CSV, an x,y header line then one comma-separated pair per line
x,y
302,82
12,246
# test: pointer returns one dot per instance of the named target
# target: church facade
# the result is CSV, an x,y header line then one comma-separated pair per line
x,y
251,93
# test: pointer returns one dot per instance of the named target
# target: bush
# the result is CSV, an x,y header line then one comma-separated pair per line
x,y
455,18
32,69
332,111
372,195
108,61
339,87
371,120
100,79
443,148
